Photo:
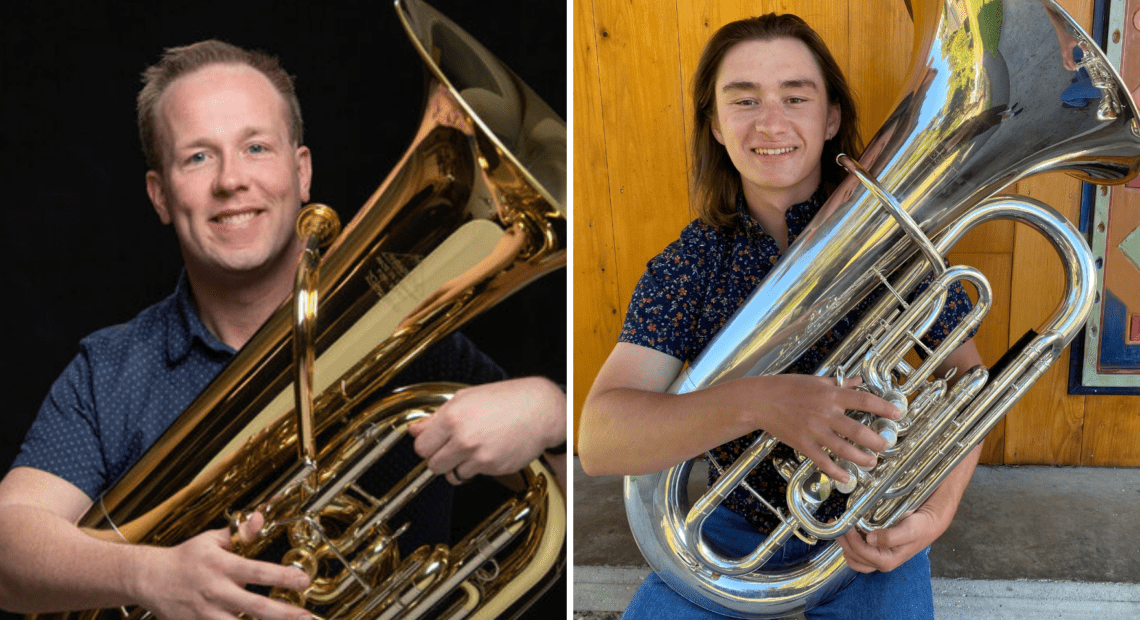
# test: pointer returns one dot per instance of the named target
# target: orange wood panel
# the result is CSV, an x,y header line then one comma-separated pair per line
x,y
1045,426
595,289
698,20
638,188
641,113
990,237
1080,10
1111,431
878,66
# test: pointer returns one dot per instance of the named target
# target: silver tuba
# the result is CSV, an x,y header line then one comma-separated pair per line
x,y
304,413
984,107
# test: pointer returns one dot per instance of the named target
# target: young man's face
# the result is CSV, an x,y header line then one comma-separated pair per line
x,y
772,116
232,180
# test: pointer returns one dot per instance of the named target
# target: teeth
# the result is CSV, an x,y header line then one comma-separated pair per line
x,y
788,149
233,219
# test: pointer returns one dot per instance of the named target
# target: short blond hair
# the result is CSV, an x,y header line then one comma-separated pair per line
x,y
179,61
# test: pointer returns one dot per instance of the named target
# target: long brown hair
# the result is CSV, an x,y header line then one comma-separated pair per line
x,y
715,179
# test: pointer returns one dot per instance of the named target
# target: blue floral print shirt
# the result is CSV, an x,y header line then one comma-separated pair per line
x,y
691,289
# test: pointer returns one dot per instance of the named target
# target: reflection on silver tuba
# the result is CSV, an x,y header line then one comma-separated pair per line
x,y
988,103
472,212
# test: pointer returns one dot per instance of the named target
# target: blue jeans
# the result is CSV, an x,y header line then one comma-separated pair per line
x,y
902,594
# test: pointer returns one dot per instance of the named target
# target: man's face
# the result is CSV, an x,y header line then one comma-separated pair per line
x,y
232,180
772,116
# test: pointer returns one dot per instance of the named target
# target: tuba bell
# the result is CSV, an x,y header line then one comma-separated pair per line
x,y
983,108
472,212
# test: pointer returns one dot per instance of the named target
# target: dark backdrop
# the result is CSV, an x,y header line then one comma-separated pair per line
x,y
83,248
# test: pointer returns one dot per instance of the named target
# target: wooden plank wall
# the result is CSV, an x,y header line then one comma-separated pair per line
x,y
633,63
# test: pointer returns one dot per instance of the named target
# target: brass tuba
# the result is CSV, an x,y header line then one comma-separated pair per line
x,y
472,212
983,108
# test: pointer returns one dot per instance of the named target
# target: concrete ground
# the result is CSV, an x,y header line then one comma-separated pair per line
x,y
1027,542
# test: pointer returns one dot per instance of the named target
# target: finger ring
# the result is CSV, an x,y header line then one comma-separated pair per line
x,y
458,479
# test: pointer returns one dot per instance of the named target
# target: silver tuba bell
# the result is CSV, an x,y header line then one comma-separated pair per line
x,y
983,108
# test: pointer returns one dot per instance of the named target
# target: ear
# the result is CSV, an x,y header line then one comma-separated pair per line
x,y
157,195
714,124
834,116
304,171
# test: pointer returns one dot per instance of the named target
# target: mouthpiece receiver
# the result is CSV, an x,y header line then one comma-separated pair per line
x,y
319,221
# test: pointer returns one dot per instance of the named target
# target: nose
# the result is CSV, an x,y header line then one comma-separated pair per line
x,y
233,175
770,119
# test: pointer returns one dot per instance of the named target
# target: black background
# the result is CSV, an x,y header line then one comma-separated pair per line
x,y
83,248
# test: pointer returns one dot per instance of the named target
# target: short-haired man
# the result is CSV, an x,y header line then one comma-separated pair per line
x,y
221,129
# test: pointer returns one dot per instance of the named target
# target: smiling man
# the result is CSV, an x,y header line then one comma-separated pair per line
x,y
228,170
222,134
770,105
773,117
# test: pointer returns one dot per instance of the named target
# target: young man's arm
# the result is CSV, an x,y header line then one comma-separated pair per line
x,y
49,564
630,426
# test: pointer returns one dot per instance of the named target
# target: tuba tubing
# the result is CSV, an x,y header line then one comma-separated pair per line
x,y
471,213
972,120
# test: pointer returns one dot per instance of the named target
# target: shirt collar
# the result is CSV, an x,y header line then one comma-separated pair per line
x,y
184,329
797,216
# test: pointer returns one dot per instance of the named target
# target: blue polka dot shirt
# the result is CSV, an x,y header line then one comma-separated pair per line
x,y
130,381
695,285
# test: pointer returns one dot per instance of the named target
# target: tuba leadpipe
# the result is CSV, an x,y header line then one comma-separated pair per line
x,y
471,213
982,109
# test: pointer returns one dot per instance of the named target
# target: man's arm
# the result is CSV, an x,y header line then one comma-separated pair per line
x,y
887,549
630,426
51,565
495,429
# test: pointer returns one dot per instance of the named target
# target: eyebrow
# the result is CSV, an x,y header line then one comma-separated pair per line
x,y
247,133
744,85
